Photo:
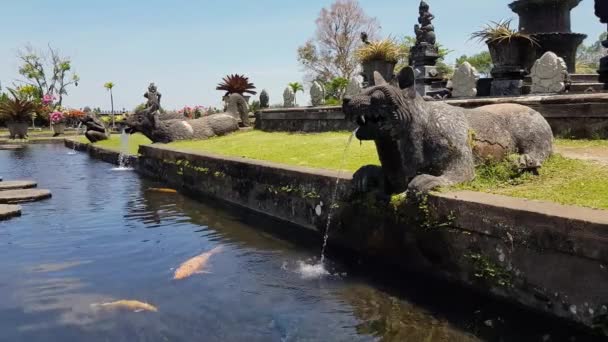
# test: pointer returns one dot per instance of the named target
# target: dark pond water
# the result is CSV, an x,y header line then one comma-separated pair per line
x,y
103,237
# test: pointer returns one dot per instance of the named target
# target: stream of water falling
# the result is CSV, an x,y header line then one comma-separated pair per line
x,y
123,157
318,270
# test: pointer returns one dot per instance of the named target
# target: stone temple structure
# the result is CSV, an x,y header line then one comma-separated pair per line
x,y
548,21
425,53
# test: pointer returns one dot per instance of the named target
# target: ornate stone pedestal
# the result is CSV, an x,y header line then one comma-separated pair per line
x,y
424,55
548,21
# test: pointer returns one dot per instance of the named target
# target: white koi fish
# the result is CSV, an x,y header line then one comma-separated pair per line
x,y
133,305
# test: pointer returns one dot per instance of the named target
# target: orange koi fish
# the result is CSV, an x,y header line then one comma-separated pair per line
x,y
163,190
195,265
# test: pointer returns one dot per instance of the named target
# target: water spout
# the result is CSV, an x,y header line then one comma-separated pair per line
x,y
123,157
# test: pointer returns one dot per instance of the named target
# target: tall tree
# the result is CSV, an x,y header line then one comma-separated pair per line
x,y
109,86
481,61
48,71
331,53
296,87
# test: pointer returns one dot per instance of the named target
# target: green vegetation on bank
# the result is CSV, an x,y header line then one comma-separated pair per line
x,y
561,180
113,143
581,143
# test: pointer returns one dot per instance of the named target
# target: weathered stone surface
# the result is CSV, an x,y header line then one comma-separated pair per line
x,y
353,88
316,119
464,82
289,98
237,107
11,147
14,185
549,74
20,196
317,94
96,130
423,145
8,211
506,87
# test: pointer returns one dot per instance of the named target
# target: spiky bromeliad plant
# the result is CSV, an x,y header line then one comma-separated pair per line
x,y
236,84
500,31
384,50
17,109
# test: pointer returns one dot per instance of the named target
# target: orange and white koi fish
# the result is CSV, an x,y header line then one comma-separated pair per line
x,y
133,305
195,265
163,190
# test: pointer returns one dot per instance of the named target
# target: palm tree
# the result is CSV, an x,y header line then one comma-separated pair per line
x,y
109,86
295,87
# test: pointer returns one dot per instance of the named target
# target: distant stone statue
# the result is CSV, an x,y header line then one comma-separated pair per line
x,y
289,98
549,74
425,31
464,82
95,129
264,99
353,88
236,105
424,145
149,123
317,94
153,97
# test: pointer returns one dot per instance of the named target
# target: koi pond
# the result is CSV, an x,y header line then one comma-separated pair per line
x,y
97,262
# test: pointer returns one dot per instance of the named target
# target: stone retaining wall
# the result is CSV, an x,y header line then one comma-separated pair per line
x,y
570,116
545,256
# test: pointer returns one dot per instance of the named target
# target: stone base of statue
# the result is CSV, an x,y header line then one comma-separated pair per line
x,y
424,54
508,80
603,71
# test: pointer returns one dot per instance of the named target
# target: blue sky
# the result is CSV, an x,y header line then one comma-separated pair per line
x,y
187,46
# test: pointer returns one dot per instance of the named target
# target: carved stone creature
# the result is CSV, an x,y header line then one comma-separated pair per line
x,y
96,130
317,94
289,98
264,99
424,145
464,82
166,131
236,105
549,74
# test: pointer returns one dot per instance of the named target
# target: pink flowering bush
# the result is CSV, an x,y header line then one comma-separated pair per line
x,y
48,99
193,112
57,117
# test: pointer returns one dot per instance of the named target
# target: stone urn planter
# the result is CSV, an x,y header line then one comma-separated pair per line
x,y
58,128
385,68
510,56
17,130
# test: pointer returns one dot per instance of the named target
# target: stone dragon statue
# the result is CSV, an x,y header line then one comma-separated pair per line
x,y
424,145
153,125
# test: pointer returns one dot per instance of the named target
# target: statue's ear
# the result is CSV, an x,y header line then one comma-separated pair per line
x,y
378,79
407,81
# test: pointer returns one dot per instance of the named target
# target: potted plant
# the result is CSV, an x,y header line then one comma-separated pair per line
x,y
509,49
17,112
58,122
236,84
380,56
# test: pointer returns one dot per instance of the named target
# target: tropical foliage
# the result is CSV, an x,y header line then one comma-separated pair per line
x,y
500,31
236,84
17,108
296,87
335,89
383,50
588,56
481,61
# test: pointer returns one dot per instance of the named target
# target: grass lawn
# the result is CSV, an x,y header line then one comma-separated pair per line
x,y
581,143
114,142
320,150
561,180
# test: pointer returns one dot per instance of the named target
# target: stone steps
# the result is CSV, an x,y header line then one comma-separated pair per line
x,y
584,78
16,185
590,87
10,147
23,195
9,211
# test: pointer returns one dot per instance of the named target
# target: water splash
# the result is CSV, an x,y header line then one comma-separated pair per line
x,y
318,270
123,157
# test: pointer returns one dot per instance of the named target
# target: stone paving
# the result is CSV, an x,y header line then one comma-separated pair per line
x,y
8,211
23,195
15,185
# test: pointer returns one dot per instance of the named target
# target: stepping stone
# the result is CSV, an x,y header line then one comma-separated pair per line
x,y
11,147
15,185
8,211
26,195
